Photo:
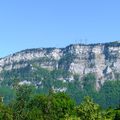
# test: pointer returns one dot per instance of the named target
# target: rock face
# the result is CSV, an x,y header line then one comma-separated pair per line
x,y
101,59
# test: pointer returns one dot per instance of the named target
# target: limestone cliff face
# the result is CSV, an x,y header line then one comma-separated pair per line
x,y
21,59
101,59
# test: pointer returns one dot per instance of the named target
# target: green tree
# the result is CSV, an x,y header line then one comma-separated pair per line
x,y
5,112
117,115
35,114
88,110
53,106
110,94
8,93
89,82
23,95
108,114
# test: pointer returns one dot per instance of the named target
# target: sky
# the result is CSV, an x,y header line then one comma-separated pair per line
x,y
28,24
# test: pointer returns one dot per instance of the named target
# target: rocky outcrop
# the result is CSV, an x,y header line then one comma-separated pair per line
x,y
101,59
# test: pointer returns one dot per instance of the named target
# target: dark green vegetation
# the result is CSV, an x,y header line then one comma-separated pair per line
x,y
77,89
44,101
54,106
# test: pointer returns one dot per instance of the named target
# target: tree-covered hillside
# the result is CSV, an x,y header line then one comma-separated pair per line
x,y
53,106
60,81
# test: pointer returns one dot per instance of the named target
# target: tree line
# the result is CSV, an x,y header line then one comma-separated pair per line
x,y
53,106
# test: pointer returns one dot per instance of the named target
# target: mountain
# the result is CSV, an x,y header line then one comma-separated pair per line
x,y
102,60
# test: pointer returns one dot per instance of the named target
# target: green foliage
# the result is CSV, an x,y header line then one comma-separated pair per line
x,y
47,105
35,114
72,118
5,112
52,106
60,73
88,110
23,95
7,93
108,114
110,94
117,115
89,81
77,89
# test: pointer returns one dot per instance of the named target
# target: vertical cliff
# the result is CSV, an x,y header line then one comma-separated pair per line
x,y
101,59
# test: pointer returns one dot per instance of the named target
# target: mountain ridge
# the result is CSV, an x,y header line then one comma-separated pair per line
x,y
102,59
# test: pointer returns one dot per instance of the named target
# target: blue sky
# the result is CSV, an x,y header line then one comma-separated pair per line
x,y
56,23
